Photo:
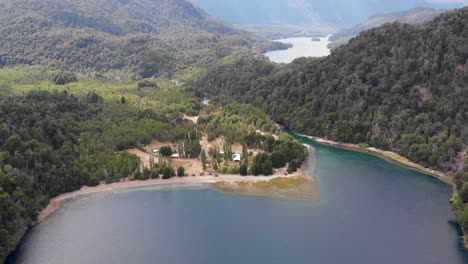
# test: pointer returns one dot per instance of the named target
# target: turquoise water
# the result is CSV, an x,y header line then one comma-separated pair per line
x,y
370,212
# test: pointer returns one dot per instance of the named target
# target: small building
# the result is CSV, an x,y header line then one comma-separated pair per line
x,y
237,157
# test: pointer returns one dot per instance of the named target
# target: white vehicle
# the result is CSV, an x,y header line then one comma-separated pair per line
x,y
155,151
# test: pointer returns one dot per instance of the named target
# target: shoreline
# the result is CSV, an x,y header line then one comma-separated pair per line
x,y
386,155
57,202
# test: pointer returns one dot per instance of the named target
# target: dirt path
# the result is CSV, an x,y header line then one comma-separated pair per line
x,y
194,119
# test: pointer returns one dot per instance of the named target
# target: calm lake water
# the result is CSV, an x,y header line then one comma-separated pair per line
x,y
302,47
370,212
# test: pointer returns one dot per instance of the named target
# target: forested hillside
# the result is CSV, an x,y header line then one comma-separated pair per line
x,y
38,156
125,38
396,87
415,16
57,138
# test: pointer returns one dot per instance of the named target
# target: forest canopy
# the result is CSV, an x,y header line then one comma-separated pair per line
x,y
129,39
396,87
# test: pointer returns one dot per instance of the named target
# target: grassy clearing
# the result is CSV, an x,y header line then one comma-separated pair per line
x,y
281,183
167,97
285,188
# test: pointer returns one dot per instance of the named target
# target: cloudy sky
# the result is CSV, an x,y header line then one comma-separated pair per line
x,y
336,13
464,2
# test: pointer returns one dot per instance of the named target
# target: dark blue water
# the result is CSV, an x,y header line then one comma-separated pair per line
x,y
370,212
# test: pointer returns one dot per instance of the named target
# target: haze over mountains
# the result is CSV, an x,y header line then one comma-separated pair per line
x,y
312,14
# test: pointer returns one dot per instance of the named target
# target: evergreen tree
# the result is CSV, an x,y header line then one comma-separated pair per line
x,y
203,159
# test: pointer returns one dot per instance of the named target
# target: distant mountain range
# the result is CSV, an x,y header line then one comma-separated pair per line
x,y
416,16
127,37
315,15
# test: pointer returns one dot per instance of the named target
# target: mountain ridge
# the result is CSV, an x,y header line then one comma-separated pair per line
x,y
126,38
311,14
366,90
416,16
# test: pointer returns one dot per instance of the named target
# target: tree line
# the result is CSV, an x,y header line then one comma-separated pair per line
x,y
396,87
56,142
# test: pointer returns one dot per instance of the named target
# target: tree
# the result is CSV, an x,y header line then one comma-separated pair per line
x,y
227,148
278,159
256,169
146,174
294,165
191,145
151,163
62,78
234,169
464,193
270,143
147,84
123,100
167,173
267,168
459,178
180,171
138,175
245,155
262,165
154,174
203,159
165,151
243,170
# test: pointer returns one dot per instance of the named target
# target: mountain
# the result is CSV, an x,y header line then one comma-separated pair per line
x,y
416,16
124,37
315,15
397,87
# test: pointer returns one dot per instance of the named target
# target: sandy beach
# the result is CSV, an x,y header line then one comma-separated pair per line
x,y
387,155
58,201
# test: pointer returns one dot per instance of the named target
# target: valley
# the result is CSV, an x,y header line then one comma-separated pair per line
x,y
147,113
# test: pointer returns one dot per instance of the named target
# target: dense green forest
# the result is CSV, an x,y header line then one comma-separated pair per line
x,y
118,38
64,123
415,16
251,127
39,156
234,121
397,87
57,138
60,131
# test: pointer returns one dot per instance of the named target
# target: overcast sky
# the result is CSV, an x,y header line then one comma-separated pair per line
x,y
335,13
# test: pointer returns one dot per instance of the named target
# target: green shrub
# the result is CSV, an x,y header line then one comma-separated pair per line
x,y
180,171
62,78
234,169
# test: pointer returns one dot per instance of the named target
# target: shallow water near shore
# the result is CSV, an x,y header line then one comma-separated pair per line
x,y
370,211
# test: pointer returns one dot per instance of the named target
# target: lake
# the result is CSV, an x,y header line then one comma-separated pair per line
x,y
370,211
302,47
